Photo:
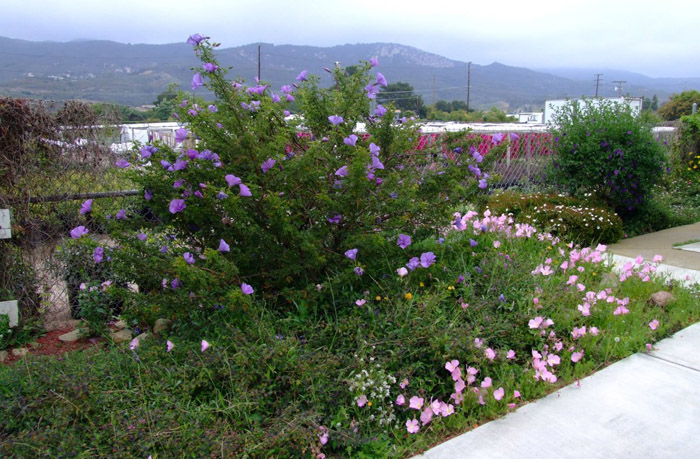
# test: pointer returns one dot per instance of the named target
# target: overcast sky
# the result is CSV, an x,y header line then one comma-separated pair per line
x,y
657,38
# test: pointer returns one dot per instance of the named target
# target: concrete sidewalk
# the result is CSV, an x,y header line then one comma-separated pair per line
x,y
645,406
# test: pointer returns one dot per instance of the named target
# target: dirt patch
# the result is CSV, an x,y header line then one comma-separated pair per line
x,y
49,344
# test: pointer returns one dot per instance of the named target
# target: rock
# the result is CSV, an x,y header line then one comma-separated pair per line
x,y
121,336
662,299
161,325
120,324
3,356
34,345
20,352
609,280
71,336
143,336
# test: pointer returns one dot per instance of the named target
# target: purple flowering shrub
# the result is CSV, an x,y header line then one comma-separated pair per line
x,y
605,149
288,196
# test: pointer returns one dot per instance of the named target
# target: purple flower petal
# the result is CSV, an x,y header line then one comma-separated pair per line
x,y
142,236
381,81
78,232
374,62
232,180
98,254
147,195
342,171
245,191
177,205
404,241
246,289
427,259
336,219
302,76
86,207
351,254
209,67
380,110
413,263
195,39
122,163
189,258
197,81
267,165
350,140
181,134
335,119
223,246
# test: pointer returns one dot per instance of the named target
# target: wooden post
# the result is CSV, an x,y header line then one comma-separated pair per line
x,y
9,307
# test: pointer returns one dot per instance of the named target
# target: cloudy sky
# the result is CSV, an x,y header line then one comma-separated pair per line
x,y
657,38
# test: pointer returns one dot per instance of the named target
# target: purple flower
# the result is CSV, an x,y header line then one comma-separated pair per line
x,y
246,289
376,164
514,136
404,241
267,165
302,76
373,62
122,163
195,39
176,283
289,97
121,214
380,110
473,243
336,219
351,254
497,138
197,81
259,89
78,232
209,67
212,108
179,165
232,180
180,135
147,195
342,171
359,271
86,207
245,191
189,258
221,195
413,263
147,151
164,249
482,184
178,183
177,205
335,119
98,254
427,259
275,98
350,140
374,149
474,170
142,236
166,165
372,91
381,81
223,247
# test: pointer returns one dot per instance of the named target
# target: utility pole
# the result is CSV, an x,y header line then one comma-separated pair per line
x,y
259,62
597,83
469,82
618,84
433,89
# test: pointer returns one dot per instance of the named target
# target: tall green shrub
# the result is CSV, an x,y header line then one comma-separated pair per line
x,y
252,199
603,148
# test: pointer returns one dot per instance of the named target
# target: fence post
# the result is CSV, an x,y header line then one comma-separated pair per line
x,y
529,154
9,307
508,154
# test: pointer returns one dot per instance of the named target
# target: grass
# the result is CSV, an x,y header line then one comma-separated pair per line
x,y
291,383
691,241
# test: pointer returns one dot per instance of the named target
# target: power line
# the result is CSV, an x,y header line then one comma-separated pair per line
x,y
597,82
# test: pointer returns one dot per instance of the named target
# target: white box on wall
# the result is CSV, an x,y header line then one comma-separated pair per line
x,y
10,309
5,228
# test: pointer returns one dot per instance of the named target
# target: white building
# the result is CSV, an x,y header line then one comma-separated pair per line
x,y
551,106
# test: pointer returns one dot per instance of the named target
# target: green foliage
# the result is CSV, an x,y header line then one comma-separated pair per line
x,y
602,148
679,105
402,97
314,196
571,219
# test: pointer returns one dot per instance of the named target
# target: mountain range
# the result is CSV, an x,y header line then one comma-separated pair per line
x,y
134,74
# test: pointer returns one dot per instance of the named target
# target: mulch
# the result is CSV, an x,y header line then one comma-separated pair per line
x,y
49,344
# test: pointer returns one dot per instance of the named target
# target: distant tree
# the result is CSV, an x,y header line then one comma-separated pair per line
x,y
679,105
443,106
654,103
402,96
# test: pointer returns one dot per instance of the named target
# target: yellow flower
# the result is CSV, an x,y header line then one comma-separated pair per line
x,y
422,284
378,298
408,296
450,288
369,403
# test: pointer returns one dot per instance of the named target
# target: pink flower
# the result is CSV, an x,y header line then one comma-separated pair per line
x,y
323,436
510,355
486,383
426,415
496,244
516,394
576,356
169,346
654,324
134,344
412,426
402,271
404,383
415,402
360,302
536,322
572,279
490,354
649,347
657,259
400,400
478,342
205,345
361,400
452,365
594,331
499,393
